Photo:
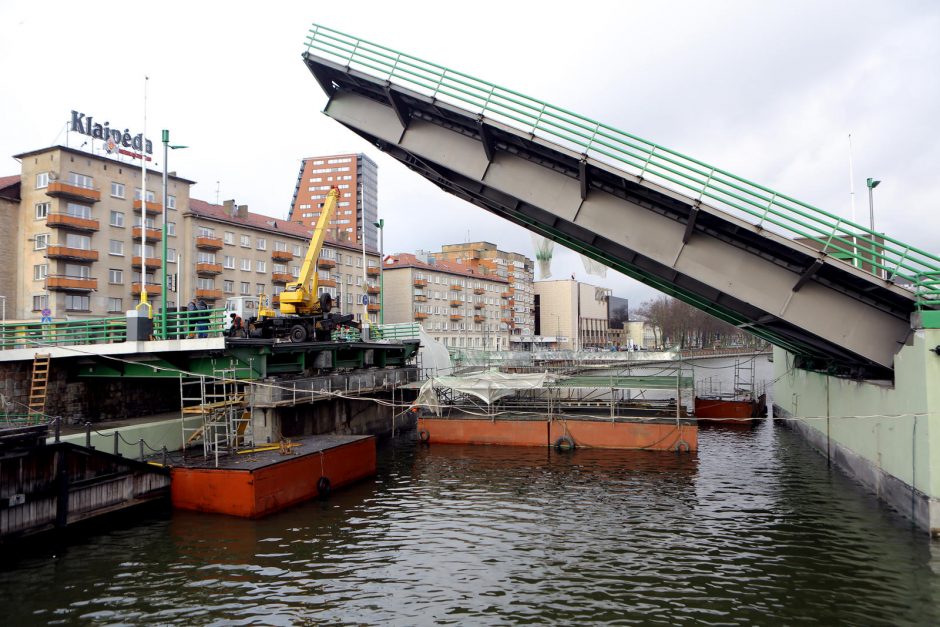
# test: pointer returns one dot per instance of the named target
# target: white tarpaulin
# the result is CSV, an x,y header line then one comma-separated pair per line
x,y
487,386
594,268
543,255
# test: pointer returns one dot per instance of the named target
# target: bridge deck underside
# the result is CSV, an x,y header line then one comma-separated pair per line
x,y
797,298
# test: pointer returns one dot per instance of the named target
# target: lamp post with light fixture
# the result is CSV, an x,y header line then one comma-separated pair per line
x,y
872,184
166,310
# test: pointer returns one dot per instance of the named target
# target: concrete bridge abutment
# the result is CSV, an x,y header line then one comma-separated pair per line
x,y
884,434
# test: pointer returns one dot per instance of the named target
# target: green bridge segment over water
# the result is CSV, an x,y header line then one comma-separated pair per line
x,y
834,293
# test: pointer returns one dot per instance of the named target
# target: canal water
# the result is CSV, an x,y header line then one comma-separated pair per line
x,y
755,528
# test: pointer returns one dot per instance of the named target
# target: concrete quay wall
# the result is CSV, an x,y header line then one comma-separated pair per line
x,y
885,435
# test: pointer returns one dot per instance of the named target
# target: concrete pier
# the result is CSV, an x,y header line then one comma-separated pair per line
x,y
884,434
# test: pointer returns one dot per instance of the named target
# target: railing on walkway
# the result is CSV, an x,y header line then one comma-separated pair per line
x,y
852,243
180,325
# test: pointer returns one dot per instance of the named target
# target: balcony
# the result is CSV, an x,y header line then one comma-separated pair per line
x,y
456,317
72,254
421,298
207,242
479,318
276,299
325,263
282,255
372,271
153,207
71,283
283,277
479,305
152,262
74,223
420,283
507,293
373,289
456,288
206,294
456,303
326,282
153,235
62,189
153,289
373,308
208,268
478,291
420,315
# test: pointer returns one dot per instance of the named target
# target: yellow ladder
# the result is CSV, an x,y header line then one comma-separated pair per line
x,y
37,390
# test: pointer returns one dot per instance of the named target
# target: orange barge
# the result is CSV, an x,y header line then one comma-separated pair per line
x,y
255,484
659,434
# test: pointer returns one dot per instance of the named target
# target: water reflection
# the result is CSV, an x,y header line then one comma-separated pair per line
x,y
755,528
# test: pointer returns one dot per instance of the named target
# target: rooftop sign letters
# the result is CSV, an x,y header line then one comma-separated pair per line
x,y
86,125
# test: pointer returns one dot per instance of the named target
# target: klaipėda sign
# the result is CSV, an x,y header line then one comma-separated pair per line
x,y
86,125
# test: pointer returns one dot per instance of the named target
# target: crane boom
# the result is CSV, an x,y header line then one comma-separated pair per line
x,y
300,296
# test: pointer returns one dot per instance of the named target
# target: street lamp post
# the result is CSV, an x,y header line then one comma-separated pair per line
x,y
381,225
166,148
872,184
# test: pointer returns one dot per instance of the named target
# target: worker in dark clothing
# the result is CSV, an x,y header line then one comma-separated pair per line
x,y
203,326
237,329
191,318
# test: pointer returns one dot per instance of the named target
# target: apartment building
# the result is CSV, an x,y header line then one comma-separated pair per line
x,y
87,242
574,313
456,304
356,177
517,269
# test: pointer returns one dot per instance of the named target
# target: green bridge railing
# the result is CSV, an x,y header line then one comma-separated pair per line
x,y
851,243
180,325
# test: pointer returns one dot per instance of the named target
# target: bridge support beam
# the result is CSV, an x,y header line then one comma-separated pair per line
x,y
885,436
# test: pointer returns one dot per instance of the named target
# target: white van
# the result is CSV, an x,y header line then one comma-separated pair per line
x,y
245,306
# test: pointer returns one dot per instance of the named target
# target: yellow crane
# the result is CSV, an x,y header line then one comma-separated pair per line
x,y
304,313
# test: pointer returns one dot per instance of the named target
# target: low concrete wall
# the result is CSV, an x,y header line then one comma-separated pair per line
x,y
886,434
168,433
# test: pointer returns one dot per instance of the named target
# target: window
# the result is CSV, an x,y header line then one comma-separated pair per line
x,y
117,218
117,191
229,262
115,305
296,250
229,238
245,288
81,180
171,228
42,210
228,287
262,243
245,241
261,266
148,249
78,211
116,247
358,262
204,257
171,255
246,265
260,289
205,231
40,271
77,271
140,222
115,276
151,197
40,302
205,284
42,240
77,302
295,271
348,279
280,268
280,246
42,180
170,202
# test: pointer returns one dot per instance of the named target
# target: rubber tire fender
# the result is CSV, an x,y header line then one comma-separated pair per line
x,y
565,443
324,488
424,436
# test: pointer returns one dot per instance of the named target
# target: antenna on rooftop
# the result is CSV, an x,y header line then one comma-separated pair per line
x,y
216,192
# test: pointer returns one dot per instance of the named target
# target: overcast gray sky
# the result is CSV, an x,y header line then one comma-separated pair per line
x,y
768,90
